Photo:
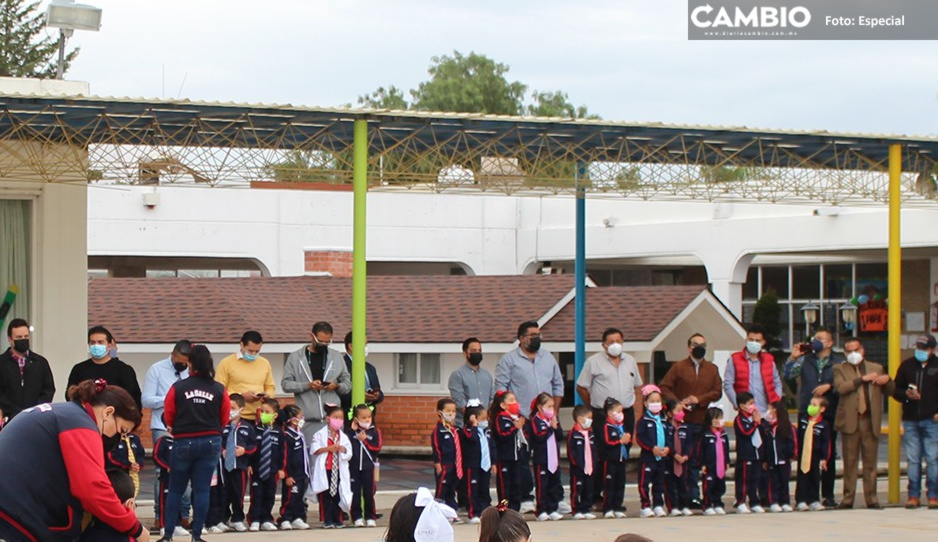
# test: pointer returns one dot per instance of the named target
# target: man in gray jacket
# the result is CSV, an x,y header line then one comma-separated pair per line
x,y
316,375
471,381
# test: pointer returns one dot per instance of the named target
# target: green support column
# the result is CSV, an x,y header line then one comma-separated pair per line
x,y
359,264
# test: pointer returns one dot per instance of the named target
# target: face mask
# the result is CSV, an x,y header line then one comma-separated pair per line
x,y
365,425
548,413
484,424
475,359
654,408
817,346
679,416
336,424
921,355
321,348
448,417
753,347
534,344
514,409
21,345
267,418
586,423
749,409
235,412
110,442
698,352
300,423
854,358
112,352
717,424
614,350
180,367
770,417
813,410
617,417
97,351
250,357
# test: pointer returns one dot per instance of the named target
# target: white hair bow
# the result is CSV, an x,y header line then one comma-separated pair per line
x,y
473,403
435,523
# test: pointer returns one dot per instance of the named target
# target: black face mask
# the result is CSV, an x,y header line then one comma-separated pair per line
x,y
110,442
534,344
321,348
475,359
180,367
698,352
21,345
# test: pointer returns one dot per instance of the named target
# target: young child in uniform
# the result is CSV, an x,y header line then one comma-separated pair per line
x,y
509,439
652,437
479,458
614,454
581,451
447,454
677,468
296,470
815,453
266,467
215,517
544,435
238,444
366,444
781,450
714,462
162,453
128,456
748,460
97,530
330,483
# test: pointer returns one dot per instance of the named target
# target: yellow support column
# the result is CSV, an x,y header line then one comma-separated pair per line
x,y
895,314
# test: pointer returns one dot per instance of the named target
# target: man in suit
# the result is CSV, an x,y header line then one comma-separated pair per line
x,y
861,385
373,393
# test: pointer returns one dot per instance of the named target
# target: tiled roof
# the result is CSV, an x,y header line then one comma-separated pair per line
x,y
641,312
418,309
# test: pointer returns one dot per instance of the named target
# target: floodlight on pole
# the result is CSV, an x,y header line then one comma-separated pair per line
x,y
68,17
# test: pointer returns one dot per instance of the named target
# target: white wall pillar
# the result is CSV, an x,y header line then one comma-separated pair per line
x,y
730,293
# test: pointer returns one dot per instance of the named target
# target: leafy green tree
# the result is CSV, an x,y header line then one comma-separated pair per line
x,y
385,98
556,104
25,50
469,84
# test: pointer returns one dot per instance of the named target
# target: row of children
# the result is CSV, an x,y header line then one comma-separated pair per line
x,y
766,448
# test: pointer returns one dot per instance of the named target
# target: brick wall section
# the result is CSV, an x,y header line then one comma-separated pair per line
x,y
336,263
407,420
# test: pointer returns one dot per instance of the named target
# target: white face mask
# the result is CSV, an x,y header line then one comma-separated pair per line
x,y
365,425
449,417
614,350
753,347
854,358
300,423
484,424
234,413
586,423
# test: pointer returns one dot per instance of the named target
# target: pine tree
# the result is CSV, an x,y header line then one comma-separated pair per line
x,y
25,48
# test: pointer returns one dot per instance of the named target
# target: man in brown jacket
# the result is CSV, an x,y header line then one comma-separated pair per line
x,y
861,385
695,382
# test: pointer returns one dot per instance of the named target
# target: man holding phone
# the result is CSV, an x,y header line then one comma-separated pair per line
x,y
917,390
248,373
373,393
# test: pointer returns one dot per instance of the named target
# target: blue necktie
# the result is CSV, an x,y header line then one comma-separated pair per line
x,y
231,460
659,436
486,462
624,452
267,449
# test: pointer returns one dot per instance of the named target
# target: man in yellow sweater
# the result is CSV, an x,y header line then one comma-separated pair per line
x,y
247,373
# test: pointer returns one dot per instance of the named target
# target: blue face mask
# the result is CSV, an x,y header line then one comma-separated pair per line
x,y
921,355
753,347
250,357
97,351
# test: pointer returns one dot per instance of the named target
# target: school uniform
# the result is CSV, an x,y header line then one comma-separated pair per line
x,y
778,455
807,489
584,460
614,455
479,456
362,472
296,466
217,496
748,459
715,456
447,453
236,468
545,458
162,454
330,483
508,443
677,475
651,432
266,462
119,457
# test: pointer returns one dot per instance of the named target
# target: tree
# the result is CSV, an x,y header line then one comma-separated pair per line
x,y
24,51
390,98
469,84
556,104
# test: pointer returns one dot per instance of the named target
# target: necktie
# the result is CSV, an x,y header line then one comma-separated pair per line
x,y
334,473
132,458
623,451
587,454
452,431
808,447
659,435
756,438
267,450
486,462
231,459
861,391
305,453
678,467
721,460
552,453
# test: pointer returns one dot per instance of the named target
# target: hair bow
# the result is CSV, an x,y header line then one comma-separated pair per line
x,y
100,384
473,403
435,523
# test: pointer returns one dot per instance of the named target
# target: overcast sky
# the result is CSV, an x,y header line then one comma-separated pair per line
x,y
627,60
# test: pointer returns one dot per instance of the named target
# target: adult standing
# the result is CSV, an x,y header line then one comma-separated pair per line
x,y
101,366
373,394
248,373
917,390
159,379
695,383
25,376
526,372
196,409
471,381
316,375
814,364
861,385
753,369
53,455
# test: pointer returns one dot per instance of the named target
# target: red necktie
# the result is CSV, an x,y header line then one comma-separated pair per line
x,y
458,452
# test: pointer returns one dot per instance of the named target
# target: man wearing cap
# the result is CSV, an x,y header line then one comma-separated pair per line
x,y
917,390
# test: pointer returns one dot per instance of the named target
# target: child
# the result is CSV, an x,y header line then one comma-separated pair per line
x,y
614,454
366,443
544,435
128,456
714,461
781,449
447,454
330,481
509,438
815,453
296,470
677,468
238,443
652,438
215,517
124,488
748,462
162,453
581,451
479,457
501,524
266,467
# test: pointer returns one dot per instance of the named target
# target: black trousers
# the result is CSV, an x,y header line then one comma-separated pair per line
x,y
164,492
581,490
807,489
651,473
777,477
748,480
446,481
549,489
828,477
263,493
479,497
217,498
236,483
527,479
676,492
599,420
692,466
509,483
330,513
713,490
613,486
292,506
363,494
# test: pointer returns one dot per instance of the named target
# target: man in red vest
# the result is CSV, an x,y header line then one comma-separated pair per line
x,y
753,370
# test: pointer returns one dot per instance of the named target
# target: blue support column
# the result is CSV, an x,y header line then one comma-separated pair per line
x,y
579,273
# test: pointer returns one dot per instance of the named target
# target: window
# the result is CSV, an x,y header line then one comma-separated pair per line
x,y
418,370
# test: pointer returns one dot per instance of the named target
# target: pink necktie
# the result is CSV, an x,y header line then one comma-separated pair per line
x,y
587,454
678,467
721,461
552,453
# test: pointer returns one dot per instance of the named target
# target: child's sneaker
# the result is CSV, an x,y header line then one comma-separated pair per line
x,y
224,527
555,516
373,523
543,517
710,512
787,508
589,515
675,513
802,507
286,526
687,512
609,515
621,515
659,512
238,526
359,522
579,516
255,527
775,509
268,526
757,509
214,529
328,526
646,513
721,511
339,526
741,508
298,523
564,507
472,521
816,506
526,506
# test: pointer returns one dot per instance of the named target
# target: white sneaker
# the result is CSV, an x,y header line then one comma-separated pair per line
x,y
721,511
710,512
675,513
286,526
214,529
472,521
775,509
298,523
741,508
224,528
256,526
373,523
757,509
802,507
564,507
238,526
646,513
609,515
815,506
589,515
659,512
621,515
268,526
687,512
359,522
179,531
543,517
527,507
786,508
555,516
579,516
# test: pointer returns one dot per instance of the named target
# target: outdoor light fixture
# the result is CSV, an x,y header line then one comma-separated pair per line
x,y
68,17
810,312
848,313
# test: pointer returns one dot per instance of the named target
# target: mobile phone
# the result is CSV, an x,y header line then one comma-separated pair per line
x,y
913,387
261,394
326,383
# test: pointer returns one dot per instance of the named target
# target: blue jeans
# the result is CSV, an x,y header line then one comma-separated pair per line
x,y
921,439
194,460
186,497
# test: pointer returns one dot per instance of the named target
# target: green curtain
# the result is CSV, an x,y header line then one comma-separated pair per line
x,y
14,254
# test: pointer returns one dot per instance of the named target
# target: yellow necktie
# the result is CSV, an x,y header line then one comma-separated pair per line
x,y
807,448
861,390
132,459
